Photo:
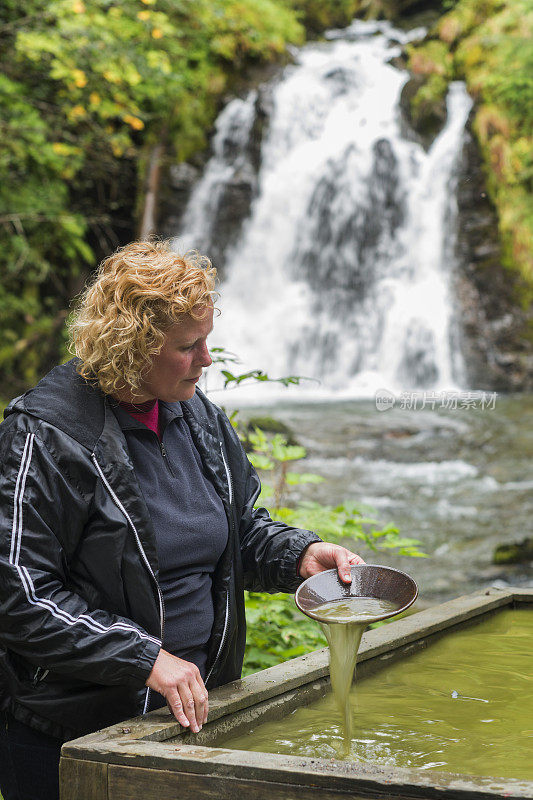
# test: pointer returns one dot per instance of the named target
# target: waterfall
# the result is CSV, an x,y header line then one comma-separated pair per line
x,y
341,268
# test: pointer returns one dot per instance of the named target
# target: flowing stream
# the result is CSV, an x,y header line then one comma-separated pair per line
x,y
458,479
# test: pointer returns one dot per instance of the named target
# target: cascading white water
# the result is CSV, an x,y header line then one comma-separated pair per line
x,y
342,270
233,128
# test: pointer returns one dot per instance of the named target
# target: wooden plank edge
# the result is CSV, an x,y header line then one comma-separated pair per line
x,y
522,596
126,780
82,779
294,770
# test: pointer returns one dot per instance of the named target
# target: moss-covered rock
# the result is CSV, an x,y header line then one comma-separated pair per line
x,y
495,340
272,425
514,552
423,104
424,96
487,44
317,15
267,424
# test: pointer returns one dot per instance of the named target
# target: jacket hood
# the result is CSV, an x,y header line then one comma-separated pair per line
x,y
66,400
78,408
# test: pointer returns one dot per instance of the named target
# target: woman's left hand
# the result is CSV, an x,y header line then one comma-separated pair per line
x,y
321,555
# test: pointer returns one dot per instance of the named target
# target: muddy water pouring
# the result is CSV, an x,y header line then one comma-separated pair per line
x,y
344,610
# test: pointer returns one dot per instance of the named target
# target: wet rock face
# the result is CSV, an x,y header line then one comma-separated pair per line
x,y
237,191
339,259
240,190
430,117
495,347
233,207
175,195
418,365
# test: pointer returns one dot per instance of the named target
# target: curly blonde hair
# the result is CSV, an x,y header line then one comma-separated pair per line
x,y
122,316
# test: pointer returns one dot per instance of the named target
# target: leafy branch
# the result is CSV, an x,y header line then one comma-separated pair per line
x,y
222,356
276,630
258,375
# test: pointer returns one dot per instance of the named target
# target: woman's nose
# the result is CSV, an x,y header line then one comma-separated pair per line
x,y
205,356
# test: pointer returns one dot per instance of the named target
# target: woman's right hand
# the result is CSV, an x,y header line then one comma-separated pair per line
x,y
182,686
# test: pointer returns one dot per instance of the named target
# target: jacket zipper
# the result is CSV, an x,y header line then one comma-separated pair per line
x,y
228,475
164,455
39,675
226,618
144,557
222,641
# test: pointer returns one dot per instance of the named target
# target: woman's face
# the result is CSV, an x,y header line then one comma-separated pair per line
x,y
176,369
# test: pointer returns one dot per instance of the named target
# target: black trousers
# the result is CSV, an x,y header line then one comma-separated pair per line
x,y
29,762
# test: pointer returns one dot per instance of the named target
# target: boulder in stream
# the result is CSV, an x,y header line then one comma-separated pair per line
x,y
514,552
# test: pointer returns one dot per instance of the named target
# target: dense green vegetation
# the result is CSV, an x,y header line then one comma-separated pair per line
x,y
487,43
87,88
276,630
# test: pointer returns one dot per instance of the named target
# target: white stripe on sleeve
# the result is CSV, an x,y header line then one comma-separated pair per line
x,y
25,577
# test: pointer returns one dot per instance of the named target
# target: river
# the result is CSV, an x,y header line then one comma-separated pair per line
x,y
460,480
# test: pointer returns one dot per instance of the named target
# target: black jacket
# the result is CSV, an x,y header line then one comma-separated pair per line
x,y
81,613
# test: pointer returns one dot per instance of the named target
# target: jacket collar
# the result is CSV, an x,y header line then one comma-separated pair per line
x,y
168,412
67,401
78,408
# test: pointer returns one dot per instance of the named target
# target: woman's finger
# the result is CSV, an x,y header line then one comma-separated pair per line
x,y
200,700
189,706
205,701
181,685
176,707
343,564
344,560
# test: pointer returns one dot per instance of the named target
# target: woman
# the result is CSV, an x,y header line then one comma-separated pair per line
x,y
128,530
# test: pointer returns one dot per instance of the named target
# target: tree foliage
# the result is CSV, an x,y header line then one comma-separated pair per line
x,y
87,87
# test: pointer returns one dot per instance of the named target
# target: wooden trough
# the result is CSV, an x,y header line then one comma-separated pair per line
x,y
154,758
